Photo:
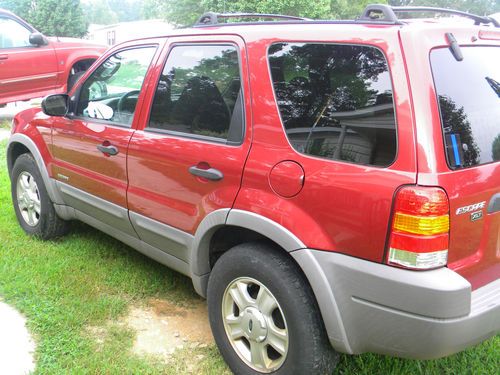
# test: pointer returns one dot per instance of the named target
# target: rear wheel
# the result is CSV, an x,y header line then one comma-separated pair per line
x,y
34,209
264,316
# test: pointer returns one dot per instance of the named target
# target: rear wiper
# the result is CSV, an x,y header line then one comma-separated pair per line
x,y
454,47
494,85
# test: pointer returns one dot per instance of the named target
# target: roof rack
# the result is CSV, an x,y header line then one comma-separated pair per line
x,y
212,18
387,14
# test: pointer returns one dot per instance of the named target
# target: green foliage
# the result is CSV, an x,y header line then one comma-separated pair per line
x,y
19,7
186,12
51,17
345,9
481,7
99,12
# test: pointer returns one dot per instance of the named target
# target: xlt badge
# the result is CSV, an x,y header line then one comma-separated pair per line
x,y
476,215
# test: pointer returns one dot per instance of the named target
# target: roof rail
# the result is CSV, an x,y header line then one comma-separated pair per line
x,y
387,14
379,13
212,18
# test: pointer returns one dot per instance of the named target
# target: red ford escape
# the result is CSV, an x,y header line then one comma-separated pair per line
x,y
329,186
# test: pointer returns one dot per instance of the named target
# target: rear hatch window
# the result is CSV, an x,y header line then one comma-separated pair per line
x,y
469,100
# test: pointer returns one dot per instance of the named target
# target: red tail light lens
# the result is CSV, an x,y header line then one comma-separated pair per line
x,y
420,228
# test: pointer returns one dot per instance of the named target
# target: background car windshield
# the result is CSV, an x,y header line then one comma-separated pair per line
x,y
469,99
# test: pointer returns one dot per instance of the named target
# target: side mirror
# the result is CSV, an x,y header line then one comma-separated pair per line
x,y
37,39
55,105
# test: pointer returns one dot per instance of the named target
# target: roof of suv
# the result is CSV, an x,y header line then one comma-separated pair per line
x,y
379,16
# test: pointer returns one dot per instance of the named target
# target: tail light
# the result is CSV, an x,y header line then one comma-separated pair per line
x,y
420,228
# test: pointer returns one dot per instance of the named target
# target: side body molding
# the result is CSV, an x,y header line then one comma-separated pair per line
x,y
31,146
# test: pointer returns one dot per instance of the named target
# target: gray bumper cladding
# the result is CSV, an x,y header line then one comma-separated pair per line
x,y
371,307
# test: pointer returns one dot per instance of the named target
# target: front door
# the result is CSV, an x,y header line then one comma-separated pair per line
x,y
90,145
25,69
188,159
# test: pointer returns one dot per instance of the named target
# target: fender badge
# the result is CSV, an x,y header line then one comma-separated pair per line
x,y
476,215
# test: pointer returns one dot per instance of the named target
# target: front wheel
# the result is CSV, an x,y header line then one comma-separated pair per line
x,y
32,204
264,316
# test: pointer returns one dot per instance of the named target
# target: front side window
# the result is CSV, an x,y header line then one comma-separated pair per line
x,y
335,101
469,99
199,93
12,34
111,92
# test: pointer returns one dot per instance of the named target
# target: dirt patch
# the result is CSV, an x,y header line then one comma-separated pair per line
x,y
163,327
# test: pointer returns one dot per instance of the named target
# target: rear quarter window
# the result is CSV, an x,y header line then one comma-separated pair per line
x,y
335,101
468,94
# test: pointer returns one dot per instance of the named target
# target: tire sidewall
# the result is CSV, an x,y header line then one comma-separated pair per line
x,y
298,317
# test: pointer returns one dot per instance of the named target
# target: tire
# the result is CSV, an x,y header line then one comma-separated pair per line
x,y
34,209
276,314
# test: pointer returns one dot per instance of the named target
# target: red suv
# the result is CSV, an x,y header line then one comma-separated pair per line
x,y
324,183
32,65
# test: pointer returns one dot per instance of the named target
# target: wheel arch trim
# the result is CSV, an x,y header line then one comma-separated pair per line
x,y
40,162
200,250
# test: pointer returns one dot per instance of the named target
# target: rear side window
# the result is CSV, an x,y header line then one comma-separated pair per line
x,y
469,100
199,94
335,101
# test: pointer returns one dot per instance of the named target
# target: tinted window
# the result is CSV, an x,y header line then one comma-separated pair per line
x,y
335,101
12,34
469,99
111,92
199,93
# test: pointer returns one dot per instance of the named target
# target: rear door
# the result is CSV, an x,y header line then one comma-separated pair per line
x,y
24,68
468,95
90,144
188,159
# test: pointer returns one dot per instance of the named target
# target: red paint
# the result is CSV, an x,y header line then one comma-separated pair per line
x,y
287,178
30,72
341,207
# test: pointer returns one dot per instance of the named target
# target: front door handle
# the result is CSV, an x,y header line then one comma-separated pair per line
x,y
4,57
210,173
109,150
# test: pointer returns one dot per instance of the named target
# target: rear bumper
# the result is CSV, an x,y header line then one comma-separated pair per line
x,y
371,307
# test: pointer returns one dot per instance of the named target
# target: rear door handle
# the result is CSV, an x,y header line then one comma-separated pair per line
x,y
108,150
4,57
210,173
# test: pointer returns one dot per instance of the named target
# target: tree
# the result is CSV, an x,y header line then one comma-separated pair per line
x,y
19,7
51,17
99,12
186,12
481,7
344,9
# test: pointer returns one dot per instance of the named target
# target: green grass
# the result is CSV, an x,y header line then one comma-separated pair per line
x,y
5,124
87,279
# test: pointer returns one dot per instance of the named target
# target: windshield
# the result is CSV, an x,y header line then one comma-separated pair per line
x,y
469,100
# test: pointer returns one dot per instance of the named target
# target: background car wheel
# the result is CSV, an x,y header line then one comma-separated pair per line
x,y
264,316
34,209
